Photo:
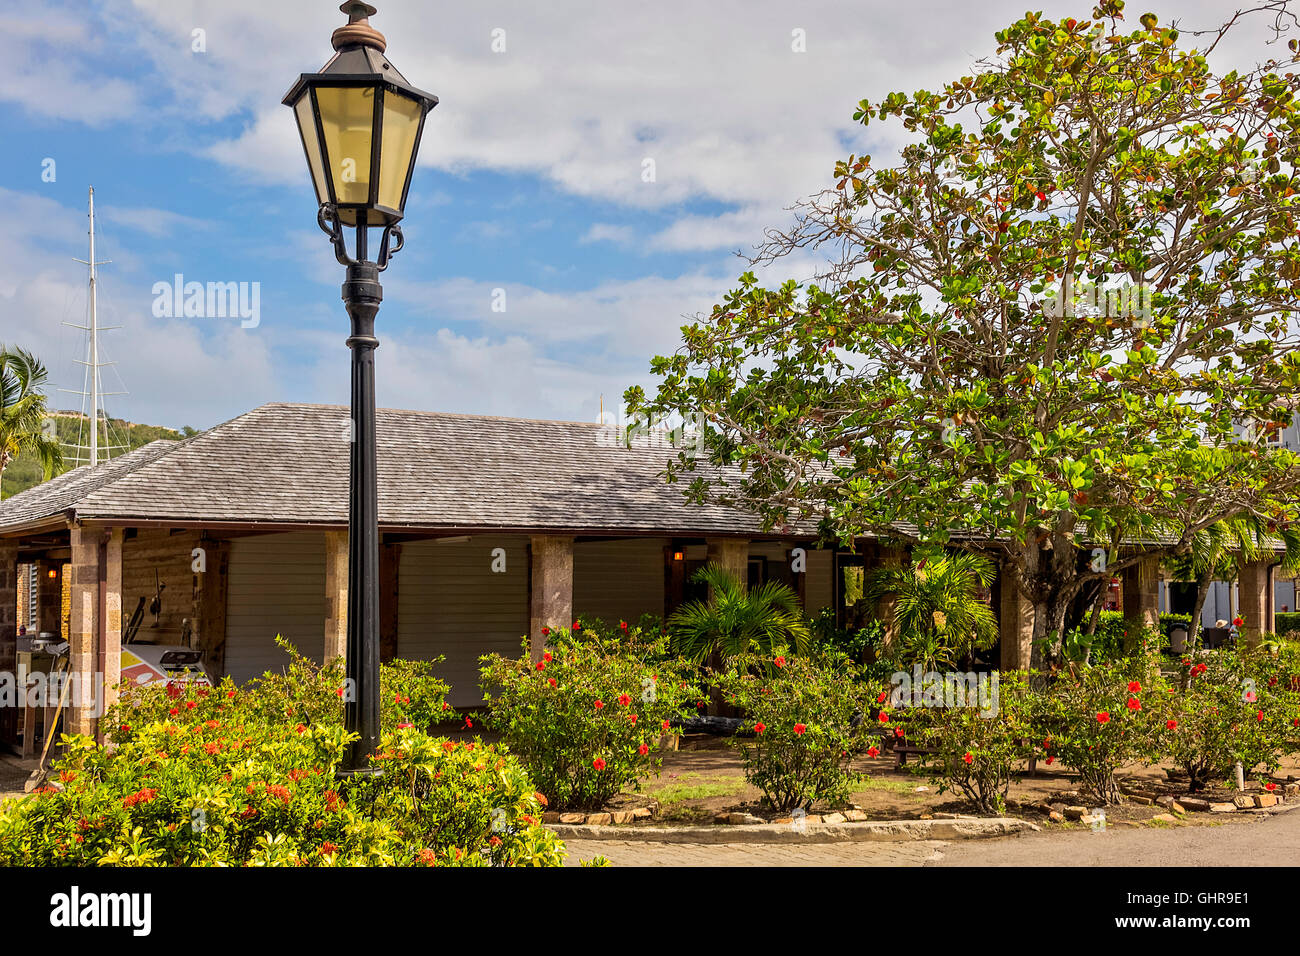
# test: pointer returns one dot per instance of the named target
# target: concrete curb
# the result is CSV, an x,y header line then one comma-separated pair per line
x,y
902,831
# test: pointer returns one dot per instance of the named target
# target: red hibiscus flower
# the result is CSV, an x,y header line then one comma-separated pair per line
x,y
1171,724
541,665
884,694
1134,704
884,717
799,728
1270,787
546,632
552,682
666,725
622,625
1134,687
643,750
624,700
898,731
779,662
759,728
598,763
1103,718
969,757
577,626
873,751
599,704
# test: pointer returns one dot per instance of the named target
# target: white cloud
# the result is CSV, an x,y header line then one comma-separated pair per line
x,y
605,232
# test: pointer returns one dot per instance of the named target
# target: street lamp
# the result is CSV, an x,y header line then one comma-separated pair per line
x,y
360,123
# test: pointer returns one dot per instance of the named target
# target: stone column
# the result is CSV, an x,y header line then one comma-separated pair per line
x,y
81,716
551,585
1140,585
732,554
888,556
9,636
112,629
336,595
210,609
1015,625
1256,601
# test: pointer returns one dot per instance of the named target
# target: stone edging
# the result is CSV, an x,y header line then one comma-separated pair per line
x,y
965,828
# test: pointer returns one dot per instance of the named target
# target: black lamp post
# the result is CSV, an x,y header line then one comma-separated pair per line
x,y
360,123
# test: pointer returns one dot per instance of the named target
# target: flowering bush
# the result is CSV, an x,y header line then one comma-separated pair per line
x,y
309,693
975,750
1102,718
1234,708
587,719
201,777
806,716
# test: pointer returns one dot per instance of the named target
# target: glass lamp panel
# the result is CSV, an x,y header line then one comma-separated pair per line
x,y
397,146
307,126
347,120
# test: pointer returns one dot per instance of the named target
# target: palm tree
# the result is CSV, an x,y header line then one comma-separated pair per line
x,y
940,616
1216,550
23,413
735,620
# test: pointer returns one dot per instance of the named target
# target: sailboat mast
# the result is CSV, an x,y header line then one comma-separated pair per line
x,y
94,345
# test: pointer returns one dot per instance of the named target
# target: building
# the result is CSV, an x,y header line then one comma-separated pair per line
x,y
492,529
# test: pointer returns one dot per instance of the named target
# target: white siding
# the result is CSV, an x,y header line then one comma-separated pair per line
x,y
276,586
451,603
619,580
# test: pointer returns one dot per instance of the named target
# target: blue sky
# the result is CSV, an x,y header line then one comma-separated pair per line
x,y
530,181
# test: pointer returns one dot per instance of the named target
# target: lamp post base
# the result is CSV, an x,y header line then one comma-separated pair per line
x,y
359,773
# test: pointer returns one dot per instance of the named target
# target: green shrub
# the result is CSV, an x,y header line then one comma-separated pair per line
x,y
1232,708
306,692
587,719
827,637
1100,719
807,719
202,777
976,750
1115,640
1287,621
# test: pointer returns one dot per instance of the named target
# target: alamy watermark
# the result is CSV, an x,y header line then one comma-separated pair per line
x,y
1086,298
973,689
212,300
686,434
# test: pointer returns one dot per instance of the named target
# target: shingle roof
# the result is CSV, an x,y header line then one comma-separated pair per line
x,y
288,463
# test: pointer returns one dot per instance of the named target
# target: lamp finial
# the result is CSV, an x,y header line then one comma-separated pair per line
x,y
358,31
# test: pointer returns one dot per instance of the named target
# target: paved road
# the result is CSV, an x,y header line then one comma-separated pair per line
x,y
634,853
1268,841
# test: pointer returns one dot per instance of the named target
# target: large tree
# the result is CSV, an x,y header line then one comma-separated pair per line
x,y
946,379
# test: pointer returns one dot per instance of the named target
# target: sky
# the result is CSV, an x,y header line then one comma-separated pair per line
x,y
531,191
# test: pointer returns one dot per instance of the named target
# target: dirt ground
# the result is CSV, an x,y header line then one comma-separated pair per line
x,y
705,778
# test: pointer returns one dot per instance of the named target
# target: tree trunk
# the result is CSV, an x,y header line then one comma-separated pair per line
x,y
1203,582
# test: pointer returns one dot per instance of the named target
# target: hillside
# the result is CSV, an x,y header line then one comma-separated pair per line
x,y
25,472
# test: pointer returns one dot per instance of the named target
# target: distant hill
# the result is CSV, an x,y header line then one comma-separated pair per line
x,y
24,471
